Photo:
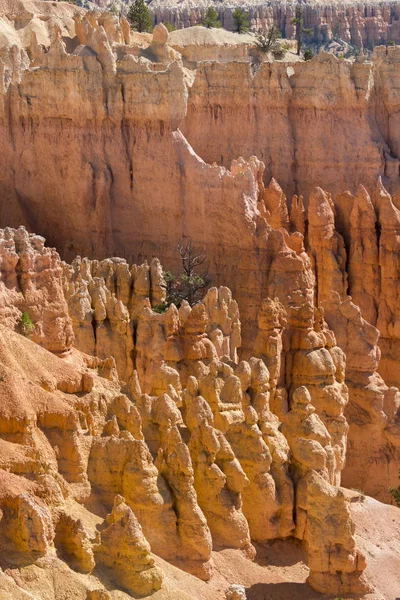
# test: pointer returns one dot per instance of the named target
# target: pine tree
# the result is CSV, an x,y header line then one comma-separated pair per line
x,y
139,16
211,18
190,285
300,31
241,20
298,21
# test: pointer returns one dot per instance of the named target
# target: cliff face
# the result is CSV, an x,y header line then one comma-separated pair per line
x,y
311,122
230,112
98,165
194,450
82,163
361,24
233,421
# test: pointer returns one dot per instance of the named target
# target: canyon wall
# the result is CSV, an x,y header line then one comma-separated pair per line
x,y
133,435
229,111
101,164
322,122
81,164
361,24
194,450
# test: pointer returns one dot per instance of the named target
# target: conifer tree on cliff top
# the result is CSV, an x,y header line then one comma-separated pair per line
x,y
241,20
211,18
139,16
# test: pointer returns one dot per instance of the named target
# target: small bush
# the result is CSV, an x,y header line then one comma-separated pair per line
x,y
169,26
25,324
266,40
395,493
362,494
160,308
352,51
190,284
308,54
278,53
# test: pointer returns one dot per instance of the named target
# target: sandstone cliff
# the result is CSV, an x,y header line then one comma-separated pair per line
x,y
361,24
187,452
134,437
107,176
102,153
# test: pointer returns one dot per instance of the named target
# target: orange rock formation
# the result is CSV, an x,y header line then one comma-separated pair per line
x,y
129,437
201,458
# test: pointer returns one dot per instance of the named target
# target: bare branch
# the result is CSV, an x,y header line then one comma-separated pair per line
x,y
189,285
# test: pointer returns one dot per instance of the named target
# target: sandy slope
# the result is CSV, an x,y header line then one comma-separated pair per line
x,y
13,8
378,536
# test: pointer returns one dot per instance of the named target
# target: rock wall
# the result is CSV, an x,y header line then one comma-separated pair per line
x,y
102,165
324,120
110,303
101,154
189,452
31,287
361,24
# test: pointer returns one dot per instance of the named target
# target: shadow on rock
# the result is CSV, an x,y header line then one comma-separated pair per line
x,y
281,591
280,553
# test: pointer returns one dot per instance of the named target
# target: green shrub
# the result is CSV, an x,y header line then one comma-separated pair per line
x,y
266,40
160,308
25,324
169,26
395,493
189,285
308,54
361,493
279,52
352,51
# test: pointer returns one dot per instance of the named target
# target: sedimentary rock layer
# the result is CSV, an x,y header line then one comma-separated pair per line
x,y
84,160
160,431
99,165
181,450
364,24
